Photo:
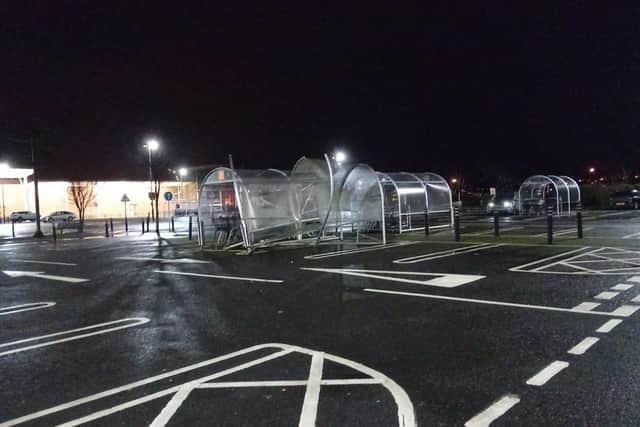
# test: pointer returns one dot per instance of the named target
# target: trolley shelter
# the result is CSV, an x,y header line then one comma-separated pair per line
x,y
318,200
539,192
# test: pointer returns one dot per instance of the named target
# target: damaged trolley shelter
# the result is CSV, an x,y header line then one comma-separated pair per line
x,y
539,192
319,200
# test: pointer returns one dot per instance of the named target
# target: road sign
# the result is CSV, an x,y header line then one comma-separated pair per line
x,y
152,195
125,198
168,196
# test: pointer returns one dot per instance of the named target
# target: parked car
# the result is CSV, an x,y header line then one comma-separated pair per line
x,y
20,216
502,203
59,216
629,199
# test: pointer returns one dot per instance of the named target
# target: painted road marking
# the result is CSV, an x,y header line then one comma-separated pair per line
x,y
594,259
547,373
444,254
563,232
498,303
359,250
133,394
441,279
540,261
608,326
626,310
163,260
33,261
621,287
25,307
487,232
636,298
218,276
586,306
42,275
631,236
494,411
607,295
312,394
583,345
136,321
635,279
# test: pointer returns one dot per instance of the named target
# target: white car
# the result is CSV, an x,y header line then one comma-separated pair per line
x,y
59,216
20,216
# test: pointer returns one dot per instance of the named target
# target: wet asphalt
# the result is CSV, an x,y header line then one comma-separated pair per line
x,y
452,357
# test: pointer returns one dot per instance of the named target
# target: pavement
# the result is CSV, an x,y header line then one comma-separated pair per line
x,y
140,330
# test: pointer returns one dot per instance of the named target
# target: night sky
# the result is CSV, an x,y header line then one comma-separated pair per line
x,y
484,90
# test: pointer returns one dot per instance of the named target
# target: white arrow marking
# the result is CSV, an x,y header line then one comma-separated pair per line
x,y
42,275
440,279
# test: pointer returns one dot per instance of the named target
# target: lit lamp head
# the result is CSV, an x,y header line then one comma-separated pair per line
x,y
153,144
340,156
182,171
4,166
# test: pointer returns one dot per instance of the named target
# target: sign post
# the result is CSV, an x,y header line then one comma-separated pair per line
x,y
124,200
168,196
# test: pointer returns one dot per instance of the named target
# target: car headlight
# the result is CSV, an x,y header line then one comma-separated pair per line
x,y
507,204
491,204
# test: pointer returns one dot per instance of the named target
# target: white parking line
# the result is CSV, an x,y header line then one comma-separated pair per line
x,y
312,394
631,236
583,345
163,260
540,261
636,298
487,232
440,279
25,307
547,373
444,254
607,295
563,232
218,276
608,325
586,306
625,310
494,411
635,279
33,261
136,321
621,287
359,250
498,303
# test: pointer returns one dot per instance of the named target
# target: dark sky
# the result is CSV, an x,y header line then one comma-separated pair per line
x,y
474,88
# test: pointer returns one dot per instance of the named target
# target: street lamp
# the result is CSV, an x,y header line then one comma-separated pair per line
x,y
340,157
152,145
592,170
182,172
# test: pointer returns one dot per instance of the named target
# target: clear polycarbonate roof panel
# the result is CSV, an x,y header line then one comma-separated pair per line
x,y
361,201
438,193
314,187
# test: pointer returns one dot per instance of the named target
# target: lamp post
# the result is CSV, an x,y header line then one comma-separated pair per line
x,y
3,166
152,145
32,144
182,172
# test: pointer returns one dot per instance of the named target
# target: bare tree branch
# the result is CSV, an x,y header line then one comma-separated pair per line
x,y
82,193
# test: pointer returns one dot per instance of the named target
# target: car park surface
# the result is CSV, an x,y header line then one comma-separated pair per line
x,y
134,329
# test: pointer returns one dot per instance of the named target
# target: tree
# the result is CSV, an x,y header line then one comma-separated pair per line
x,y
82,193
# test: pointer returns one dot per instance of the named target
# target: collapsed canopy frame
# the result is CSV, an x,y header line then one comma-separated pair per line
x,y
538,192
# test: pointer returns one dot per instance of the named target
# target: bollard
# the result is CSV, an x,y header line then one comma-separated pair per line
x,y
173,225
202,233
53,232
111,223
190,226
106,229
13,230
579,221
496,225
126,225
148,218
142,225
426,222
550,225
456,223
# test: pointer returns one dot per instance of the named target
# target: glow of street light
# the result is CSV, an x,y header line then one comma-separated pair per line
x,y
153,144
340,156
182,171
454,180
4,166
592,170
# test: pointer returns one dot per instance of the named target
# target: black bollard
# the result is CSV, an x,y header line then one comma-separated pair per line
x,y
148,219
190,226
106,229
579,221
111,224
202,232
142,225
426,222
173,225
550,225
13,230
456,223
496,225
126,225
53,232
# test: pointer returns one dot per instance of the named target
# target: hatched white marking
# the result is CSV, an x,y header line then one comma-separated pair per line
x,y
608,326
494,411
548,372
607,295
583,345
